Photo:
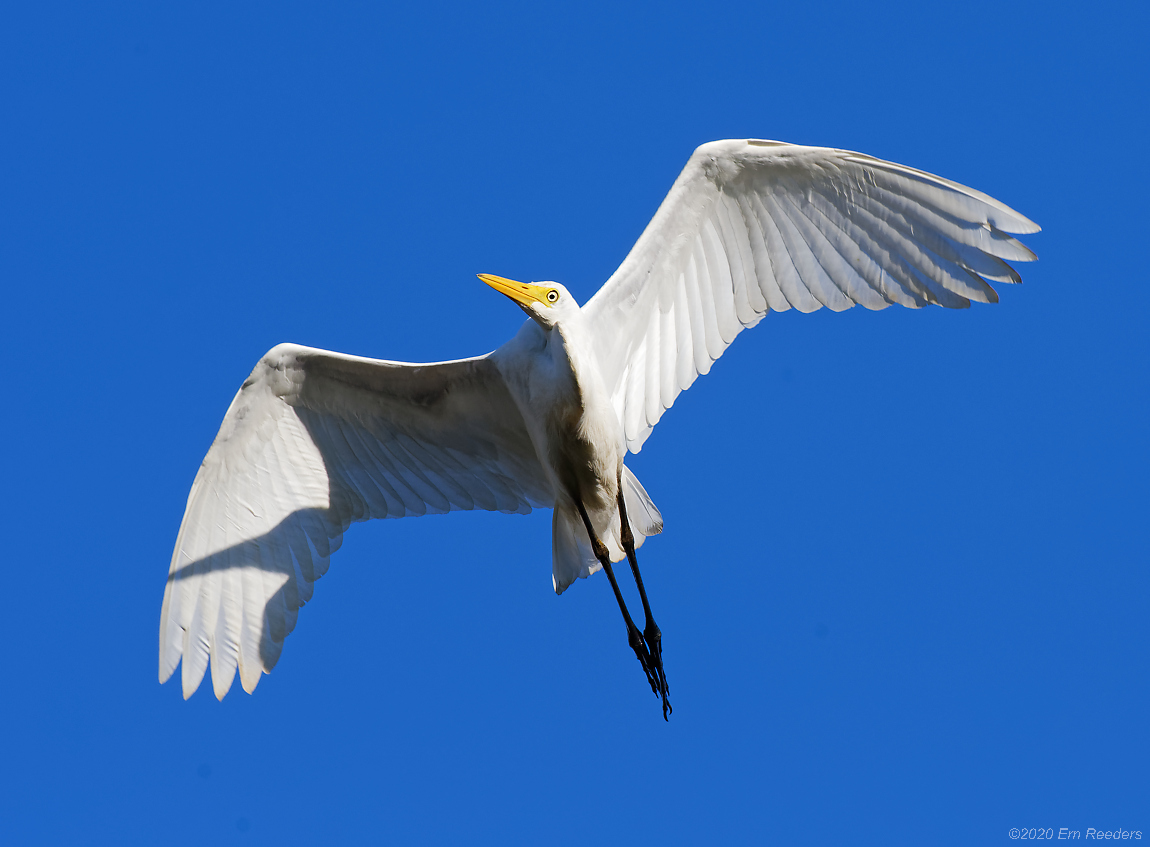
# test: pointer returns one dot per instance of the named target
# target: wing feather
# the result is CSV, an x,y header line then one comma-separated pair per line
x,y
735,245
313,442
652,363
703,279
685,372
809,272
668,354
764,268
722,280
783,261
754,226
838,256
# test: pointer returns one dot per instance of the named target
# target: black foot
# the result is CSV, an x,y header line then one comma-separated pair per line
x,y
654,640
635,639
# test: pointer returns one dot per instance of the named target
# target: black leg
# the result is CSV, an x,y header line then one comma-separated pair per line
x,y
634,637
651,633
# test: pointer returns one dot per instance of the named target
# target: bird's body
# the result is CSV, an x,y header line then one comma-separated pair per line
x,y
567,411
314,440
554,379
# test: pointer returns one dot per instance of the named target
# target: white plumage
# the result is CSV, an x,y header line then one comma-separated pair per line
x,y
755,226
316,440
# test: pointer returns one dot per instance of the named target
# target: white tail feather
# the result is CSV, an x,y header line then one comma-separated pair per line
x,y
643,514
571,556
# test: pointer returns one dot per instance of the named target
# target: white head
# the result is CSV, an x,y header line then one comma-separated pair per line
x,y
546,303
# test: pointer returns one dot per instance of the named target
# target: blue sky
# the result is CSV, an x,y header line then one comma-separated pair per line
x,y
903,585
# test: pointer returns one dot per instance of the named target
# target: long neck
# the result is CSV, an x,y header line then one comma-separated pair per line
x,y
570,340
541,361
575,343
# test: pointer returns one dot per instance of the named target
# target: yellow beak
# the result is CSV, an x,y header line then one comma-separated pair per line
x,y
523,293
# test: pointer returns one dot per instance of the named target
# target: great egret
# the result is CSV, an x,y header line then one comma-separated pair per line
x,y
316,440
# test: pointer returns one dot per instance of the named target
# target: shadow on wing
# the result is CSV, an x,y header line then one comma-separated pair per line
x,y
251,592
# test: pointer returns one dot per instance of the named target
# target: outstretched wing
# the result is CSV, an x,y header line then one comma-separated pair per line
x,y
751,226
313,441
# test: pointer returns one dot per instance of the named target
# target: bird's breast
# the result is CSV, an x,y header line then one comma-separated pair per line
x,y
585,463
585,439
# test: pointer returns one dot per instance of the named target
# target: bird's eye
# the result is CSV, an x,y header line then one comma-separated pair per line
x,y
552,296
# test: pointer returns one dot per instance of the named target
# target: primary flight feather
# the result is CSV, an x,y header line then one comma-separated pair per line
x,y
315,440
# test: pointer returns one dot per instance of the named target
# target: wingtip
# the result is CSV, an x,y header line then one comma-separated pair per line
x,y
222,681
250,681
1029,227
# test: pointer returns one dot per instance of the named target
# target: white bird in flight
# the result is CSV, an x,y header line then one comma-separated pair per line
x,y
315,440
